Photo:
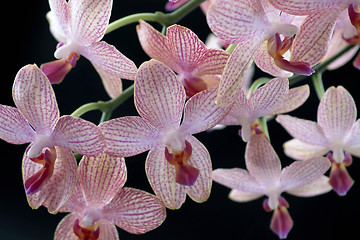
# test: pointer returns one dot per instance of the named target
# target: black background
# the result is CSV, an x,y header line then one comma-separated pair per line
x,y
27,40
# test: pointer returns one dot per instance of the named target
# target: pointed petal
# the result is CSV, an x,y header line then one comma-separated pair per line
x,y
336,112
76,202
111,81
352,141
212,63
13,126
78,135
268,97
294,99
281,222
312,41
161,175
340,179
201,112
303,151
159,95
304,130
200,159
262,161
301,173
236,70
101,178
59,187
240,196
238,179
128,136
89,19
64,229
59,18
108,59
239,109
316,187
135,211
304,7
35,99
237,21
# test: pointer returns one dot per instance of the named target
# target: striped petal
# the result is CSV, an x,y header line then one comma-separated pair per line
x,y
336,112
78,135
35,99
101,178
201,113
135,211
159,95
161,176
89,19
59,187
13,126
304,7
59,18
112,82
303,151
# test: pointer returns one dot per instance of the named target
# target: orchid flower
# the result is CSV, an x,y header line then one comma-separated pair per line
x,y
171,5
263,34
49,167
335,131
79,26
100,202
271,99
198,67
318,27
177,162
265,177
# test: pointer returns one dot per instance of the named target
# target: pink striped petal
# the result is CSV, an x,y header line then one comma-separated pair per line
x,y
306,131
352,141
239,109
101,178
159,95
240,196
89,19
268,97
112,82
13,126
76,202
212,63
59,18
311,42
161,176
304,7
262,161
237,21
128,136
303,151
301,173
316,187
201,113
200,159
108,59
135,211
78,135
236,70
59,187
336,112
35,99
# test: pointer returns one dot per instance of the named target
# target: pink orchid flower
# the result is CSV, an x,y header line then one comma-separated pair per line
x,y
100,202
79,26
265,177
49,159
177,162
171,5
198,67
335,131
316,32
263,34
271,99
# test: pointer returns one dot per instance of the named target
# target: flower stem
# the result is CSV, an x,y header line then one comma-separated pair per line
x,y
256,84
318,84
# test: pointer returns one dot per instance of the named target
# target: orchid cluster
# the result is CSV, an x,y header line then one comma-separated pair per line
x,y
187,87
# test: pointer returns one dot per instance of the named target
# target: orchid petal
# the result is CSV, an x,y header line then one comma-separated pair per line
x,y
135,211
352,141
336,112
316,187
301,173
262,161
89,19
212,63
76,202
101,178
108,59
78,135
238,109
200,159
311,42
159,95
35,99
59,187
13,126
201,112
303,151
303,7
161,175
59,18
111,81
306,131
64,229
128,136
240,196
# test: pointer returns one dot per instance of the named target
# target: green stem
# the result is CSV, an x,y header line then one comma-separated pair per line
x,y
318,84
264,126
231,48
152,17
257,83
